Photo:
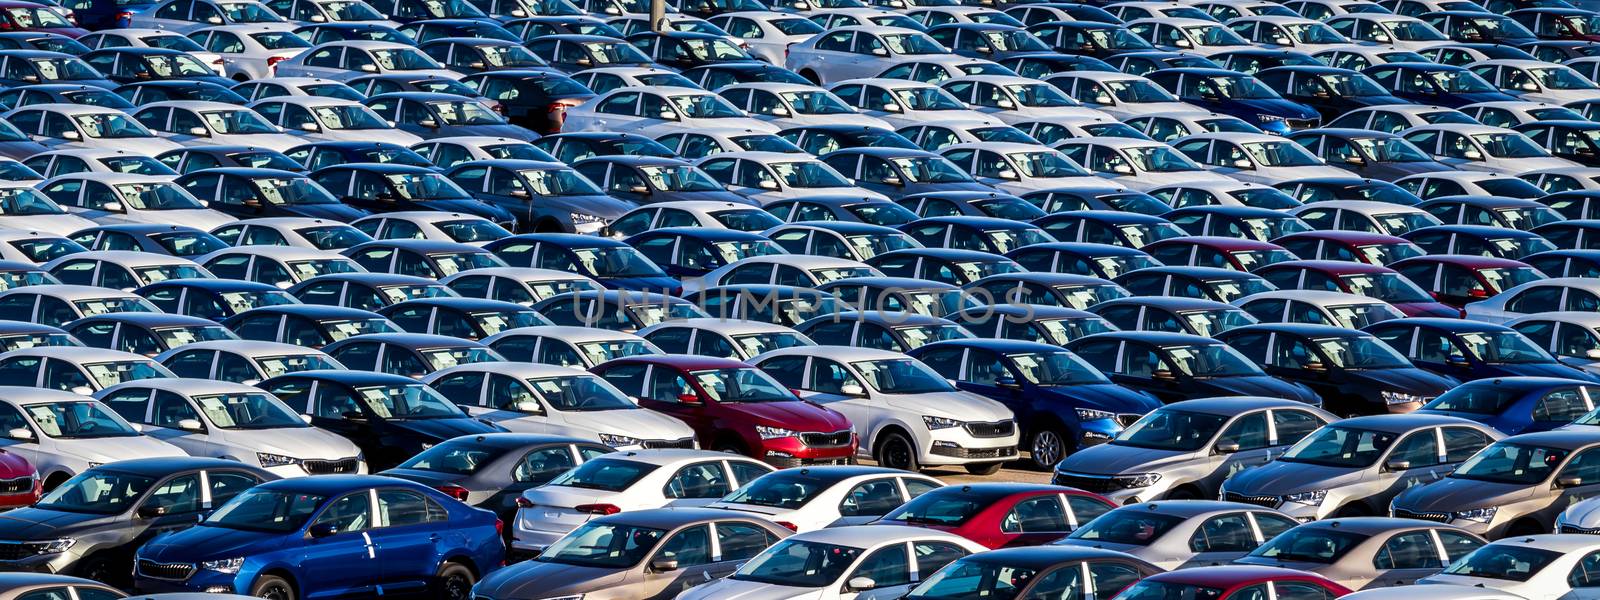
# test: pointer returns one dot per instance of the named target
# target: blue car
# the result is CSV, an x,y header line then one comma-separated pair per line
x,y
1470,350
1439,85
1237,94
367,291
329,536
695,251
214,299
175,240
1516,405
1100,260
141,332
611,263
1063,404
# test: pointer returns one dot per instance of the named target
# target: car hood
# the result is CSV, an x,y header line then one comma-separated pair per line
x,y
642,284
201,543
41,523
1427,309
533,579
1100,396
1253,385
566,496
442,429
637,423
1279,107
959,405
334,212
797,416
113,449
21,149
1277,478
1462,98
1399,169
711,196
505,131
471,206
56,224
1453,494
605,207
1111,459
299,442
1537,370
199,218
1583,514
732,589
1408,380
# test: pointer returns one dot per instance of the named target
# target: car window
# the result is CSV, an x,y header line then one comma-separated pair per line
x,y
178,495
1035,515
401,508
1411,550
689,547
742,541
888,566
348,514
1224,533
871,498
703,480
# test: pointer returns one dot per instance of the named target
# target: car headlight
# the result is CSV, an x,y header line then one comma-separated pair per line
x,y
772,433
1309,498
583,219
226,565
1270,118
276,460
1390,397
1137,481
1481,515
427,445
572,597
55,546
939,422
1089,414
618,441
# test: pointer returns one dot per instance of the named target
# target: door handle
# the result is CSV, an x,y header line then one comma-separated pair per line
x,y
433,537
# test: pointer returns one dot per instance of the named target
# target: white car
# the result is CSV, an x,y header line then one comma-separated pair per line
x,y
624,481
232,421
24,208
56,304
1394,118
522,285
1019,169
299,232
1255,157
63,434
1015,99
431,225
1466,183
1168,127
783,269
1572,337
858,51
317,119
812,498
194,122
906,414
184,16
789,105
81,371
1483,148
249,52
1165,533
1544,295
245,362
148,38
96,160
331,11
935,68
1395,31
937,135
1353,311
1431,592
346,60
1364,215
267,87
605,79
567,346
1226,193
873,563
1511,113
1564,179
657,111
108,198
768,34
447,152
707,214
1198,36
534,398
1560,570
86,127
1135,163
1296,33
767,177
33,246
1120,95
1358,57
723,338
123,269
902,103
1537,80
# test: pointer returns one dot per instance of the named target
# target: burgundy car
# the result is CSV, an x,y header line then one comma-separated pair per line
x,y
1002,515
1457,279
1222,252
1234,583
1374,281
735,407
30,16
1357,246
19,482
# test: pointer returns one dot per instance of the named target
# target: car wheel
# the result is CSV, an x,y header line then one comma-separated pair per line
x,y
1527,527
1183,493
272,587
1048,448
729,446
454,582
98,568
985,468
897,452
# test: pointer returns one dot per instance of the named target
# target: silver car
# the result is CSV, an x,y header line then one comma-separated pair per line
x,y
1183,533
1356,466
1367,552
1186,449
1515,487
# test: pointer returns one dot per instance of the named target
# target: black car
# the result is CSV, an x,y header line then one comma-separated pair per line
x,y
1354,372
317,155
307,325
566,201
719,75
1179,366
1089,38
429,115
430,29
536,100
389,83
390,417
474,55
63,93
823,139
532,28
1572,140
132,65
1366,153
39,40
572,53
573,147
396,187
252,193
463,318
366,291
647,179
686,49
1332,92
1253,61
214,299
196,158
322,33
143,333
1039,65
142,93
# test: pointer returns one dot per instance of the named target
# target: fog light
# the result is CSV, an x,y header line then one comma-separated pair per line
x,y
944,444
219,589
778,453
1095,435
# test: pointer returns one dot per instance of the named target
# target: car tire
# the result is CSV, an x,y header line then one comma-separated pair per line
x,y
97,568
897,452
273,587
1048,447
730,447
454,582
1183,493
985,468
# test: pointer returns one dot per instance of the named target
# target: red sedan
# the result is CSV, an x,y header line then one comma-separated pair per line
x,y
1002,515
1456,279
29,16
735,407
1373,281
1234,583
19,482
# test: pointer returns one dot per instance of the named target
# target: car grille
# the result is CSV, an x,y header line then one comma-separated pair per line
x,y
1423,516
1099,484
1127,419
826,440
787,462
15,551
1575,529
170,571
990,430
687,442
1298,124
1006,452
331,467
16,486
1267,501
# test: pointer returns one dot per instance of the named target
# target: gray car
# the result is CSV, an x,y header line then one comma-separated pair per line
x,y
1186,449
1518,486
1367,552
637,555
1183,533
1356,466
29,586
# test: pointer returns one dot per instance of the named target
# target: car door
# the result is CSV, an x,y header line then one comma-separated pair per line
x,y
1035,521
411,529
889,569
1247,441
867,501
698,484
1220,539
173,504
1406,557
340,554
682,561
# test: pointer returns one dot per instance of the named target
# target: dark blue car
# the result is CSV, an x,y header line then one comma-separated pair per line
x,y
1179,366
1332,92
1237,94
1440,85
214,299
1516,405
334,535
1470,350
612,263
366,291
1062,403
695,251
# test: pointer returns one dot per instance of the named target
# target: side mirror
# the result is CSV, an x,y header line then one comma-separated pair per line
x,y
1473,155
892,107
150,511
1008,175
306,418
1316,366
768,184
583,62
894,181
369,68
199,131
663,565
352,415
1529,87
688,398
527,406
31,78
476,65
1006,382
429,123
639,189
318,19
191,425
83,390
667,115
1227,447
1396,465
781,112
1182,43
880,52
20,433
1457,359
1006,104
984,50
1122,170
214,20
519,193
1355,160
1163,375
858,584
309,127
109,207
852,389
1566,482
322,530
1592,354
71,135
1243,164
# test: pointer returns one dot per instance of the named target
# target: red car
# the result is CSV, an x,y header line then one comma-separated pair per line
x,y
1374,281
1234,583
1002,515
1456,279
1357,246
1221,252
735,407
30,16
19,482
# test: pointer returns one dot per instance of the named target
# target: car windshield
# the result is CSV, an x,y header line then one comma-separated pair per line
x,y
1214,35
918,169
274,366
901,376
604,474
579,393
465,112
757,343
1410,31
156,196
471,230
1477,398
64,69
1502,347
1389,287
599,352
238,302
741,386
271,511
1390,150
615,261
450,357
401,293
603,546
1222,87
1250,259
1008,207
172,337
37,18
1138,90
679,179
927,98
977,578
1458,82
496,322
44,249
1112,37
97,492
815,103
516,151
1512,463
110,126
1503,561
1133,527
80,420
787,489
156,273
611,53
454,458
559,182
798,563
403,402
1039,95
1210,360
764,142
348,117
425,186
1403,222
704,106
1560,113
1159,159
1319,545
1529,217
1508,145
1161,590
338,330
179,65
1561,78
1342,447
403,59
1314,33
911,43
1168,429
1358,353
100,306
1211,322
251,410
265,160
295,191
27,202
807,174
1281,154
236,122
137,165
1014,40
1055,368
1046,164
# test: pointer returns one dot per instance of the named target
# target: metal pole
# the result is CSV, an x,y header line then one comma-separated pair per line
x,y
658,16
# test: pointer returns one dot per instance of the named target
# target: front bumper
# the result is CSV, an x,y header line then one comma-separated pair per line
x,y
793,451
56,562
1488,529
958,446
201,581
1104,485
